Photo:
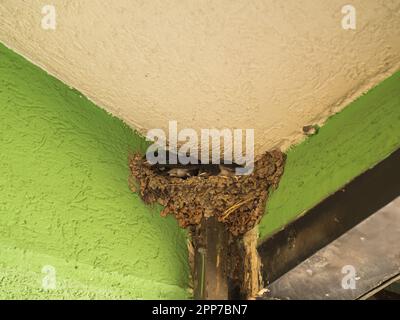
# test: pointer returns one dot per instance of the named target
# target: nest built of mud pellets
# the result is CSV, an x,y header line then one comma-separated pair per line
x,y
236,201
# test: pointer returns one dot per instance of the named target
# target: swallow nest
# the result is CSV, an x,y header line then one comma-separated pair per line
x,y
237,201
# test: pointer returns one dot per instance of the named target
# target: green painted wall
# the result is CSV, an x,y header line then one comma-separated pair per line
x,y
350,142
65,201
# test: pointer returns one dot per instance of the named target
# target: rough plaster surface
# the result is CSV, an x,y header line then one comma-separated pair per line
x,y
351,142
65,200
269,65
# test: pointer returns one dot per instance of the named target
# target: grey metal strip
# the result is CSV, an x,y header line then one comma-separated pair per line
x,y
363,259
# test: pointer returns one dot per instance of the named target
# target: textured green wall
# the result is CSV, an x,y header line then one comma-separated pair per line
x,y
350,142
65,201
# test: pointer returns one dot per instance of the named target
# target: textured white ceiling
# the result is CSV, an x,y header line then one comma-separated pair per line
x,y
273,66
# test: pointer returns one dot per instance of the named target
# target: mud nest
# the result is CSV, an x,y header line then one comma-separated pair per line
x,y
237,201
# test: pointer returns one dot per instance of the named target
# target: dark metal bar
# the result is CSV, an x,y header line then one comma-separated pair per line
x,y
210,242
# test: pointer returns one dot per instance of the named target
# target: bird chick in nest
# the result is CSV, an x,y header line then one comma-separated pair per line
x,y
227,170
179,173
201,171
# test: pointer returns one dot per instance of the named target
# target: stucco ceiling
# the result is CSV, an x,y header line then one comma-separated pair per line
x,y
273,66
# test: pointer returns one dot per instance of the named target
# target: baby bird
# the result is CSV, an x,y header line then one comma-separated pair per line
x,y
226,171
179,173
